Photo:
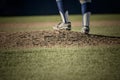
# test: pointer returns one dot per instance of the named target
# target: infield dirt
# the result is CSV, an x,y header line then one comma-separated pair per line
x,y
54,38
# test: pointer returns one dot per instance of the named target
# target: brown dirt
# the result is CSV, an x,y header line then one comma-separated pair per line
x,y
54,38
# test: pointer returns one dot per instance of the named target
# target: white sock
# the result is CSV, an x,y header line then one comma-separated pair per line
x,y
86,19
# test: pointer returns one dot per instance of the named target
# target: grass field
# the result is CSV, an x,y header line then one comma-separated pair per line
x,y
61,63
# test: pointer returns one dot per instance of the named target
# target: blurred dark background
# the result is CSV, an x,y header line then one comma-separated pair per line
x,y
49,7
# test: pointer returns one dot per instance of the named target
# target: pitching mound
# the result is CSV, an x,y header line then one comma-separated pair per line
x,y
54,38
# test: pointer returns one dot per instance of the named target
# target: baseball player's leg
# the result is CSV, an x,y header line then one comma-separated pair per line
x,y
61,10
65,24
86,12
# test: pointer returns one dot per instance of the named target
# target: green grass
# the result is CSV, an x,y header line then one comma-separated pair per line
x,y
108,31
113,30
56,18
100,30
95,17
61,63
73,63
30,19
25,28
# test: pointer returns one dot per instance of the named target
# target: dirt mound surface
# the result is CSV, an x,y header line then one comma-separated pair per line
x,y
53,38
